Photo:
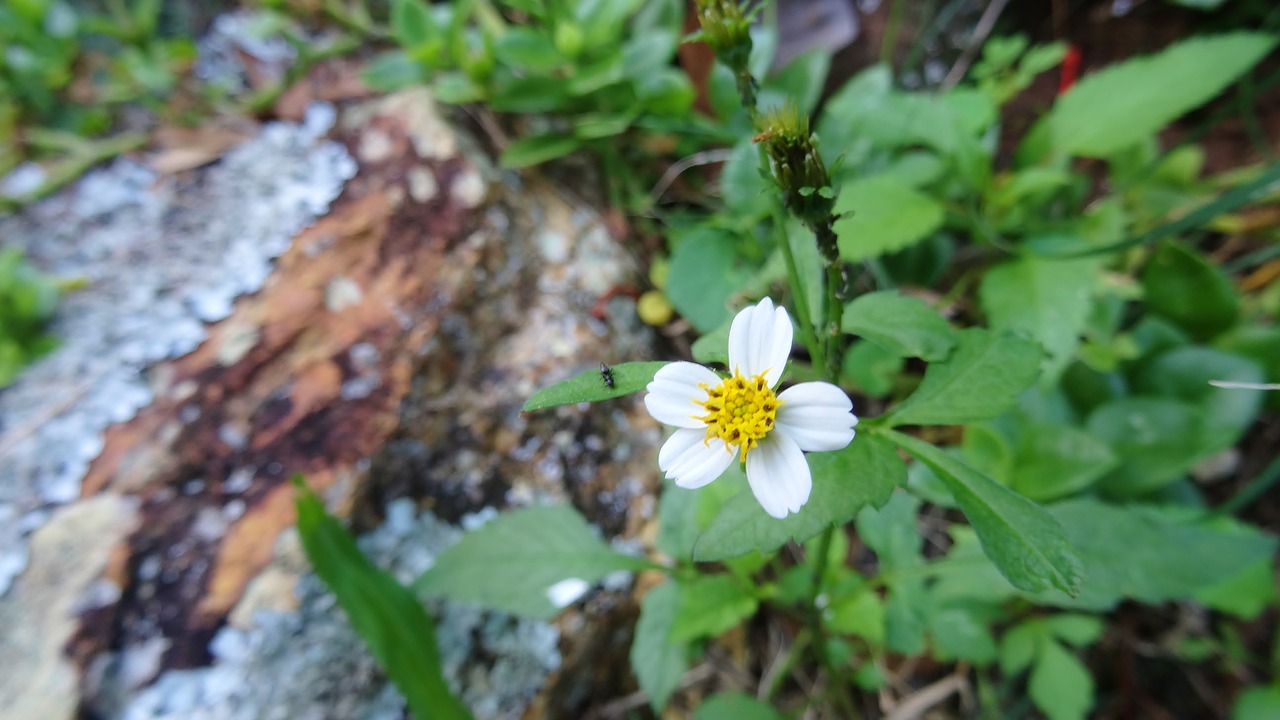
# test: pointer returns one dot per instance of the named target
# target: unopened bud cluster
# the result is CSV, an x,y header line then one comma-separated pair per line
x,y
798,169
727,30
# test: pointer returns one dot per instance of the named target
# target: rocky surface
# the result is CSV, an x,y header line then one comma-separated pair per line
x,y
385,357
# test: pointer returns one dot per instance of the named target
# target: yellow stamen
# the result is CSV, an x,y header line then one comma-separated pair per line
x,y
740,410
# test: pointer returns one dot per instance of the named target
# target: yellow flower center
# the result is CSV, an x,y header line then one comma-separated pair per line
x,y
740,411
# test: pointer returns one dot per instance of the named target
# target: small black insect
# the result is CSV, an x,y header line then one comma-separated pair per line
x,y
606,373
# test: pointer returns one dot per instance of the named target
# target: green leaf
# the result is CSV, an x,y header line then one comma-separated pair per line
x,y
1184,373
962,631
1045,300
871,368
713,347
535,149
710,605
1019,646
1077,630
900,324
863,473
1060,685
512,562
1183,286
1028,546
1256,703
412,24
735,706
1152,554
1245,594
386,615
678,528
1119,105
1053,460
741,184
1156,440
527,48
658,662
800,82
590,386
705,272
392,71
981,379
861,614
880,215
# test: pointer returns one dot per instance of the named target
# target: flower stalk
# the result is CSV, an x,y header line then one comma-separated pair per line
x,y
797,169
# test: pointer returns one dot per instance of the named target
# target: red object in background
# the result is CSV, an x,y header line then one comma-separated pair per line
x,y
1070,69
630,291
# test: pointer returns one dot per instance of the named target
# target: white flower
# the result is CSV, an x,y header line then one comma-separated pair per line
x,y
716,417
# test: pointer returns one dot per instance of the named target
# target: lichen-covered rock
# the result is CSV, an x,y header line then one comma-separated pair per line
x,y
386,357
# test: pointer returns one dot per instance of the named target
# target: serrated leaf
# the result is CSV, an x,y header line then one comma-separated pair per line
x,y
735,706
535,149
709,606
658,662
512,562
386,614
1047,300
1060,685
981,379
863,473
1023,540
590,386
1121,104
881,215
900,324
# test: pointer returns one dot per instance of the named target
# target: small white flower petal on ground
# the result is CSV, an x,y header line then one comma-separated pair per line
x,y
566,592
760,341
720,419
779,475
817,416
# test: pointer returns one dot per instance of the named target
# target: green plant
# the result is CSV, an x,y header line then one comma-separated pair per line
x,y
1073,371
27,302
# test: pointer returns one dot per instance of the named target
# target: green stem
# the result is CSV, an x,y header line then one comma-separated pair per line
x,y
803,317
1254,490
833,310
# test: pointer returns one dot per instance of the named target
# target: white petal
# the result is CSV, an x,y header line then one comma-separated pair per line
x,y
566,592
817,416
779,475
676,445
699,464
760,341
674,394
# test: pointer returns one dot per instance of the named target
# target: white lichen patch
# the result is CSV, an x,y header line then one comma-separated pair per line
x,y
159,258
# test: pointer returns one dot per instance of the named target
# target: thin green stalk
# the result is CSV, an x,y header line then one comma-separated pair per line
x,y
803,317
1254,490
